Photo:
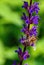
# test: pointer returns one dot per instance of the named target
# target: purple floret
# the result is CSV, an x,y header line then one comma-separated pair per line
x,y
34,8
22,55
22,39
25,5
33,31
24,17
25,30
26,55
19,51
34,19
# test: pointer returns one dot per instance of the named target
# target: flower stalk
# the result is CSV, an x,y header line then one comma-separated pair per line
x,y
27,35
30,37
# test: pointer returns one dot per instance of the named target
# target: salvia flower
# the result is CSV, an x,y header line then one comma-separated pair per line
x,y
19,51
26,55
33,31
24,17
22,55
25,30
34,19
31,20
25,5
34,8
22,39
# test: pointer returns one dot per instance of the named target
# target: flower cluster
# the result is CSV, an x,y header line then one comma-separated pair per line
x,y
34,8
30,37
22,56
31,19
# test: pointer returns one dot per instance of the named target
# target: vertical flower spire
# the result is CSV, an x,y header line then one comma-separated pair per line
x,y
29,32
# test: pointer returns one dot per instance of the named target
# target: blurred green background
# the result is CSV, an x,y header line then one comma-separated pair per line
x,y
10,26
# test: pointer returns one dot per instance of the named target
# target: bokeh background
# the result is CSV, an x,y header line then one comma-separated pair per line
x,y
10,26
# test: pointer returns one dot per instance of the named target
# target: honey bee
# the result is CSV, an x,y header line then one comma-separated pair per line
x,y
32,39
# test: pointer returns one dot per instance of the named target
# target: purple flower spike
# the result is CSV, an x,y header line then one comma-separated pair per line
x,y
26,55
34,8
25,5
33,31
30,34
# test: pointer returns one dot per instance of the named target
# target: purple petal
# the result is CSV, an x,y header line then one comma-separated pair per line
x,y
22,39
25,5
19,51
33,31
27,21
26,55
24,17
34,8
35,21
